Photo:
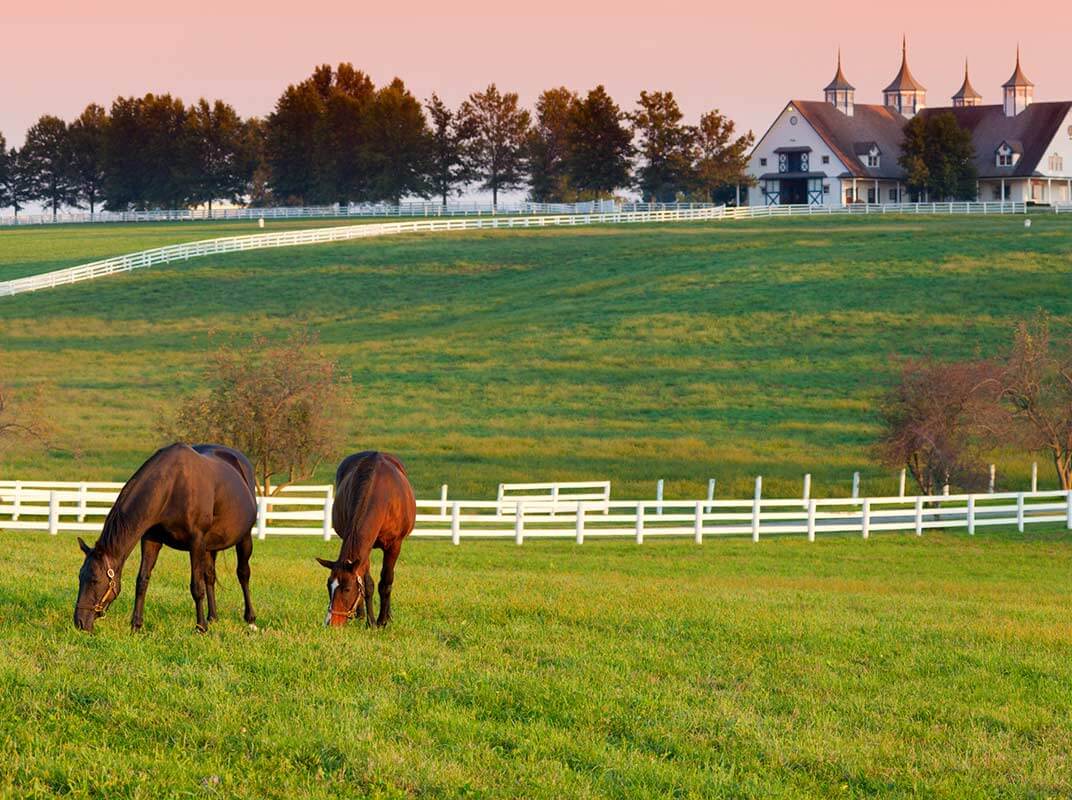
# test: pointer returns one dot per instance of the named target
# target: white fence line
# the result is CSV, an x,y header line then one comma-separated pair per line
x,y
83,509
233,244
409,209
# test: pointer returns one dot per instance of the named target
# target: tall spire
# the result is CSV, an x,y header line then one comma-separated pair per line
x,y
839,92
966,95
905,94
1019,91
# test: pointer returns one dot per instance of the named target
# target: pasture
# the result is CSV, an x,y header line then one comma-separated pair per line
x,y
895,667
675,351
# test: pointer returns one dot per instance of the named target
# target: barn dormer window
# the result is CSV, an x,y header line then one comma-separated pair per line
x,y
1057,163
874,157
1005,155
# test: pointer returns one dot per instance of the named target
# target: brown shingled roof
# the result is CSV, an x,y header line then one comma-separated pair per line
x,y
870,123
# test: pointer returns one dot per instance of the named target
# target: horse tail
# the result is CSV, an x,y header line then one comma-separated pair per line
x,y
353,495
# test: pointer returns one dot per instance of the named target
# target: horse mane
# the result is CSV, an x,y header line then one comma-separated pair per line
x,y
355,492
117,523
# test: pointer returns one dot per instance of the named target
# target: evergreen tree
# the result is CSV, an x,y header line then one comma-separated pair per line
x,y
721,161
222,168
665,147
500,131
600,145
449,167
47,163
149,160
87,154
19,185
5,172
399,144
291,143
938,158
549,146
343,162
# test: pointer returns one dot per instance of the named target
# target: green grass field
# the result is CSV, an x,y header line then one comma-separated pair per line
x,y
936,667
680,352
897,667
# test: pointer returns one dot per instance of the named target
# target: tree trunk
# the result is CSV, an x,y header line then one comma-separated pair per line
x,y
1063,463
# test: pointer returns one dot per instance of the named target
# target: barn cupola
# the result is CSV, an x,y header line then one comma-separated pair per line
x,y
966,96
905,95
1019,91
839,92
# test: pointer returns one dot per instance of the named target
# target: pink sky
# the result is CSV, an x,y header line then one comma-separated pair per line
x,y
744,58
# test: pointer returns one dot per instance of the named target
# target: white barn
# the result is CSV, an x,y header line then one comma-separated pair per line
x,y
837,151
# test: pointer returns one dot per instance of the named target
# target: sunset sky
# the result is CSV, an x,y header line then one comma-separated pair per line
x,y
745,58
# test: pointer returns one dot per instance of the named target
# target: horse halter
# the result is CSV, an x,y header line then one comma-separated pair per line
x,y
99,607
352,612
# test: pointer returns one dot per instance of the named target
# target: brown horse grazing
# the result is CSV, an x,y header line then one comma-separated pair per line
x,y
200,499
374,507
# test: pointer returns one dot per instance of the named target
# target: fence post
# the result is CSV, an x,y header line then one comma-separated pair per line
x,y
993,472
807,488
901,488
554,498
455,524
328,502
17,503
1020,512
659,497
971,514
1034,477
698,527
640,523
755,508
519,524
919,515
498,501
82,502
580,522
443,501
1068,509
53,513
262,513
710,493
811,520
855,485
865,521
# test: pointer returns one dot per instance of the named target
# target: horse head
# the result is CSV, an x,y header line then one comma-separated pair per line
x,y
98,586
346,591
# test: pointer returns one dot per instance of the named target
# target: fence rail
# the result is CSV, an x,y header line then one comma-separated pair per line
x,y
233,244
306,511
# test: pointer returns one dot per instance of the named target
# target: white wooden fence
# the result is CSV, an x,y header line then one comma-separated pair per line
x,y
233,244
306,511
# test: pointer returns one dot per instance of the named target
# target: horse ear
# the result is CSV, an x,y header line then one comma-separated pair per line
x,y
85,547
348,564
323,562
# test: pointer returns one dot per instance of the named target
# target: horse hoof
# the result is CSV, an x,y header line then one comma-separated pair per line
x,y
200,628
253,628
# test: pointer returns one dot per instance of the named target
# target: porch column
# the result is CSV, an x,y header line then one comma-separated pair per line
x,y
854,196
738,195
1049,190
1003,190
878,199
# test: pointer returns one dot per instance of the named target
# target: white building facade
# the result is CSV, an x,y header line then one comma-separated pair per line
x,y
837,151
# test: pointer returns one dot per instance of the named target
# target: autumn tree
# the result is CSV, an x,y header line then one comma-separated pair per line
x,y
500,130
720,158
938,421
600,149
1036,386
449,163
283,404
549,146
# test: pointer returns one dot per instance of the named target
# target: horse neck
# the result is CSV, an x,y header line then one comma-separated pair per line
x,y
358,544
127,522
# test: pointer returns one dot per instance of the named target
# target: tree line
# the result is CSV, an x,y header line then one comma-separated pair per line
x,y
337,138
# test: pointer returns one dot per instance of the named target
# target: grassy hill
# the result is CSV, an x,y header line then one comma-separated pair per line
x,y
625,352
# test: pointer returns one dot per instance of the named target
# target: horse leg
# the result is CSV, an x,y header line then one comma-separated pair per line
x,y
387,579
370,587
244,549
197,581
210,585
149,552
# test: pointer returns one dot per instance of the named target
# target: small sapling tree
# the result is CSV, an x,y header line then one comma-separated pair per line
x,y
283,404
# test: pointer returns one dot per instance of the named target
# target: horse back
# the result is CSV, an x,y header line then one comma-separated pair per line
x,y
373,486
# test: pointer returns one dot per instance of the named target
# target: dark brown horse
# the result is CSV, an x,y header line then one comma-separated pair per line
x,y
374,507
199,499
